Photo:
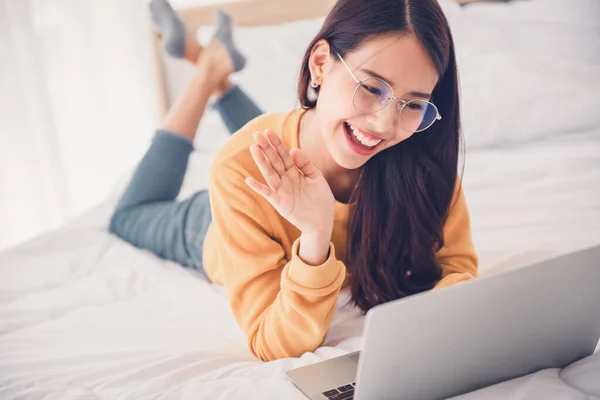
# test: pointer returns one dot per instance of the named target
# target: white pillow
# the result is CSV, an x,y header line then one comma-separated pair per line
x,y
527,69
509,99
520,79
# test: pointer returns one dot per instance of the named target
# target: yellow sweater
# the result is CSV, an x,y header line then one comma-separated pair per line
x,y
283,305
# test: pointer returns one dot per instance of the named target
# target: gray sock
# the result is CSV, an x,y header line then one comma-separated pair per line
x,y
170,26
224,34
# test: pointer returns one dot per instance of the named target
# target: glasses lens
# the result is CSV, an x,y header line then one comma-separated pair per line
x,y
417,115
372,95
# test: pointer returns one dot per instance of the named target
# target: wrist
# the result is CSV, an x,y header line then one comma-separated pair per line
x,y
314,247
316,235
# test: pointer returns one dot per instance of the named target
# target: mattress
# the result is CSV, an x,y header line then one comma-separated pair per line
x,y
84,315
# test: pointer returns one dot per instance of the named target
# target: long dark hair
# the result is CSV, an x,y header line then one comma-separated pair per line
x,y
405,192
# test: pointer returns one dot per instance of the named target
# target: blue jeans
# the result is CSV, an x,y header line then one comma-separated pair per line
x,y
148,214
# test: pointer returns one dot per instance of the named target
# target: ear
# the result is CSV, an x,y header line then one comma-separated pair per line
x,y
319,57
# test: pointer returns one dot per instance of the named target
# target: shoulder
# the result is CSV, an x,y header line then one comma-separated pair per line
x,y
235,155
458,195
458,210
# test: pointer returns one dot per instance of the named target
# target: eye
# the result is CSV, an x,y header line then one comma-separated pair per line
x,y
415,106
375,91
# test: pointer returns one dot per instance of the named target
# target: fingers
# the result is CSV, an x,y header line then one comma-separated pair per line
x,y
283,152
270,153
263,190
304,164
271,176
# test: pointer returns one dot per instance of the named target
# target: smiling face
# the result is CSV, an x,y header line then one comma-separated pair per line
x,y
353,136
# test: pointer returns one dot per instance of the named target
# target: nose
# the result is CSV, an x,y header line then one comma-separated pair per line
x,y
385,120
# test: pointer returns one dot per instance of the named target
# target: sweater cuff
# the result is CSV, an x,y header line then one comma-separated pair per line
x,y
328,276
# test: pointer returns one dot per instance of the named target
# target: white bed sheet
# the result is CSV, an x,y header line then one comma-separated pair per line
x,y
84,315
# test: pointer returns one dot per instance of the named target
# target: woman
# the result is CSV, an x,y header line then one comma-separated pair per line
x,y
359,187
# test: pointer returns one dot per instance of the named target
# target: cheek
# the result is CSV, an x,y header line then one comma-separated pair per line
x,y
335,102
333,108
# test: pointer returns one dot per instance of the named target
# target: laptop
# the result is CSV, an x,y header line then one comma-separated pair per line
x,y
474,334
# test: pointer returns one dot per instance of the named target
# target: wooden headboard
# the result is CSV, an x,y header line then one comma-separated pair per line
x,y
245,13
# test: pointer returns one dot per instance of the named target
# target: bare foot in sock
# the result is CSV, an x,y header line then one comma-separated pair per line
x,y
224,34
178,41
215,62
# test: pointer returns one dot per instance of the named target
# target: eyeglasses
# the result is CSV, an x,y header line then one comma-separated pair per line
x,y
373,94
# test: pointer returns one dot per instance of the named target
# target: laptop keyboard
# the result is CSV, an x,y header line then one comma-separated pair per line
x,y
345,392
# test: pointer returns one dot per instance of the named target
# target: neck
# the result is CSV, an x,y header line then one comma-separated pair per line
x,y
341,180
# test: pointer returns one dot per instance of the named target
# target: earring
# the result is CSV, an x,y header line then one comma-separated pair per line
x,y
312,93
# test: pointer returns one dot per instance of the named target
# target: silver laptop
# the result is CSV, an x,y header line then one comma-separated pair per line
x,y
455,340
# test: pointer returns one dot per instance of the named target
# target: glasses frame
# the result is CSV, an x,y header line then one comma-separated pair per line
x,y
401,105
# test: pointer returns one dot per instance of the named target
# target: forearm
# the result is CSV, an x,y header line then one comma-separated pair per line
x,y
295,320
184,116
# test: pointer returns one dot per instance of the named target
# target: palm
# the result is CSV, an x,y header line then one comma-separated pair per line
x,y
303,201
296,188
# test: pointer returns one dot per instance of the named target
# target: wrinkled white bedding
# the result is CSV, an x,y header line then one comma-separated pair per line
x,y
84,315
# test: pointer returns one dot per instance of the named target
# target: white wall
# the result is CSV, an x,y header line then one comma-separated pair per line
x,y
78,105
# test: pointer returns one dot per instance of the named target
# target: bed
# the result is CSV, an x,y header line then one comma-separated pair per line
x,y
84,315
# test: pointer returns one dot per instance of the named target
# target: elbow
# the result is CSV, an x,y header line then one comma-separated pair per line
x,y
263,353
277,348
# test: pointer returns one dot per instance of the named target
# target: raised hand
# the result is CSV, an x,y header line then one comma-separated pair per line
x,y
295,187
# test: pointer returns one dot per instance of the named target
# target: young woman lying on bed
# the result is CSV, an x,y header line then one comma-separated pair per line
x,y
358,187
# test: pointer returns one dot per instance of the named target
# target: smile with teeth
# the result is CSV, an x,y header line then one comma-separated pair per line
x,y
363,139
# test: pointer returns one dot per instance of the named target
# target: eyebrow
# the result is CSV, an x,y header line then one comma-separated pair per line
x,y
376,75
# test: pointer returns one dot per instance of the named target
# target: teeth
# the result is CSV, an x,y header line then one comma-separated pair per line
x,y
362,138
